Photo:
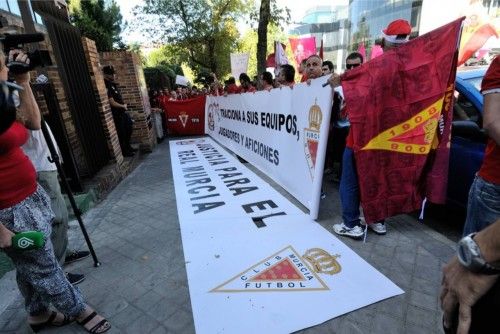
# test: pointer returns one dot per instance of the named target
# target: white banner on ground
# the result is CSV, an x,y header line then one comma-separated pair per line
x,y
255,263
283,132
239,64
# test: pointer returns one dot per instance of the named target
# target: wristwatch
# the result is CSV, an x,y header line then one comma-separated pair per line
x,y
471,258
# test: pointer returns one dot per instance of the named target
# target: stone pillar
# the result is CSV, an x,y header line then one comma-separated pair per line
x,y
130,78
101,95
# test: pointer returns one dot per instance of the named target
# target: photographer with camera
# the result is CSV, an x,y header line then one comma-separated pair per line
x,y
24,206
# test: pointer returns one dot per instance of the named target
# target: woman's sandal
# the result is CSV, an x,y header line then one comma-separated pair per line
x,y
104,324
50,322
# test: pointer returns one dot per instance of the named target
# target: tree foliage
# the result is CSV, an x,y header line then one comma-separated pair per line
x,y
205,29
98,20
269,12
248,44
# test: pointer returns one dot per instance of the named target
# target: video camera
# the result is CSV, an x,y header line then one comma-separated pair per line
x,y
38,58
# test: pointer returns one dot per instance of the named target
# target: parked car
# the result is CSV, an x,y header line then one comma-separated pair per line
x,y
468,139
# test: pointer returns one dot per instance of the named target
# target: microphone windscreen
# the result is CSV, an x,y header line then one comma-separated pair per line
x,y
28,240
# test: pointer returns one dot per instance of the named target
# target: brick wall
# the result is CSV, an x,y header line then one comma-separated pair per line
x,y
101,95
130,78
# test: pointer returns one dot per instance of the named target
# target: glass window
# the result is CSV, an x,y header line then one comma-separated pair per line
x,y
14,7
4,5
38,19
464,110
476,82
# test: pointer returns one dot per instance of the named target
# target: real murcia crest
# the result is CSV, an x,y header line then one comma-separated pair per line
x,y
183,116
311,137
286,271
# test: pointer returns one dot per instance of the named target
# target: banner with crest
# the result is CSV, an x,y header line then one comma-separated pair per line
x,y
283,132
256,263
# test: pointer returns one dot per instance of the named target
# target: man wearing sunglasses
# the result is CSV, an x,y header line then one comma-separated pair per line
x,y
339,123
397,33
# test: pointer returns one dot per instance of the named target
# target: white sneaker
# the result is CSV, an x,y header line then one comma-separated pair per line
x,y
378,228
356,232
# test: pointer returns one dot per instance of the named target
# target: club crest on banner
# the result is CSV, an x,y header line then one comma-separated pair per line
x,y
183,116
213,113
311,137
285,270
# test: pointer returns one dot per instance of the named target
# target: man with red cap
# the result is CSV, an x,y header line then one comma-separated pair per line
x,y
396,34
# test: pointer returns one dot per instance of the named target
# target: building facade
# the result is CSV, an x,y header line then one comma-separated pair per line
x,y
367,19
330,24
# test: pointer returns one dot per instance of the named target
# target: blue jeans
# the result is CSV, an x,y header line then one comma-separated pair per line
x,y
483,207
349,189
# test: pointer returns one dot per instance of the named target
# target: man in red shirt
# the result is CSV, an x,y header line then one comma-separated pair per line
x,y
483,207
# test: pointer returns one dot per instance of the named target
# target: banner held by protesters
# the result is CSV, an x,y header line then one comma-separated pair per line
x,y
400,106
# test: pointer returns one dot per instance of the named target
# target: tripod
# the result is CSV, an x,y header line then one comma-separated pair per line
x,y
54,157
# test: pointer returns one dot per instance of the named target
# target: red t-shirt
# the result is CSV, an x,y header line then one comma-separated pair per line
x,y
233,89
17,174
250,89
490,169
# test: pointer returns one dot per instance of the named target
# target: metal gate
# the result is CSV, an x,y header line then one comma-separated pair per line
x,y
72,65
56,124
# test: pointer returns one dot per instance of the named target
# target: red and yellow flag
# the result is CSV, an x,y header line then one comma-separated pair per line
x,y
400,106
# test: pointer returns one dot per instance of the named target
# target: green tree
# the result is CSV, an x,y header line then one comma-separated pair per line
x,y
205,29
362,35
248,44
269,12
136,48
98,20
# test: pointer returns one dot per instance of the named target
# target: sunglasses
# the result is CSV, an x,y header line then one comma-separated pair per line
x,y
349,66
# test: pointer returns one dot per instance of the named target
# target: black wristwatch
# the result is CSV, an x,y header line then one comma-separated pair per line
x,y
471,258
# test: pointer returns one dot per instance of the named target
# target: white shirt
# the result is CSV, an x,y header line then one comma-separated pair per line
x,y
37,150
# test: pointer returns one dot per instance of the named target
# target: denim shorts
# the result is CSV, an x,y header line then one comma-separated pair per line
x,y
483,207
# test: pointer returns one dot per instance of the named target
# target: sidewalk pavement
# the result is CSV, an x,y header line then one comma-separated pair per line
x,y
141,286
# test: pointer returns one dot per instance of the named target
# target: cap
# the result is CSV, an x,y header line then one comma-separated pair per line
x,y
108,69
395,28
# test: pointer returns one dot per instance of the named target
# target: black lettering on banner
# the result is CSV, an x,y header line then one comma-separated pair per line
x,y
196,190
228,175
261,206
230,183
259,221
227,169
200,207
198,181
242,190
187,156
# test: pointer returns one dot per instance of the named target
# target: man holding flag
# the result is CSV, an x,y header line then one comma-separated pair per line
x,y
395,103
396,33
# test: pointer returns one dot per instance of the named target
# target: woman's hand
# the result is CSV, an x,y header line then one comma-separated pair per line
x,y
20,57
5,237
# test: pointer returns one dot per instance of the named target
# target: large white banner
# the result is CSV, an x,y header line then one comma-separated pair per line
x,y
283,132
255,263
239,64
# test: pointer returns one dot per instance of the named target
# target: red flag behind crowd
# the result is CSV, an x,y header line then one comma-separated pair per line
x,y
186,117
400,106
476,41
